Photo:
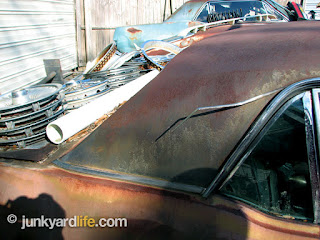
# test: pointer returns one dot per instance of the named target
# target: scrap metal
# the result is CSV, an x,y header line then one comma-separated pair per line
x,y
25,114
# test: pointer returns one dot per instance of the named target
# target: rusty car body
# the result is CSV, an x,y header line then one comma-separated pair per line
x,y
196,14
173,160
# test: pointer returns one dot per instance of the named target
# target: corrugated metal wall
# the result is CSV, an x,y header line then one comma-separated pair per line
x,y
97,19
33,30
309,5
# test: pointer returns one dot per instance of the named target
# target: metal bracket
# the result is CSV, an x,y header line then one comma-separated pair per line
x,y
53,65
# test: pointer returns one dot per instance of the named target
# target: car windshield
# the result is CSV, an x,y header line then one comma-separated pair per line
x,y
232,9
186,12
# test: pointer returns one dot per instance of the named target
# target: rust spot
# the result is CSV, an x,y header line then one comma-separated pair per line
x,y
155,52
133,30
190,10
93,126
186,43
193,24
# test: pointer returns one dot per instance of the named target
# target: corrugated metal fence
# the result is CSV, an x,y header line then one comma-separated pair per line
x,y
310,5
97,19
30,31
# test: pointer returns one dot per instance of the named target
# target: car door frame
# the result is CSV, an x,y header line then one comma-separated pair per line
x,y
247,144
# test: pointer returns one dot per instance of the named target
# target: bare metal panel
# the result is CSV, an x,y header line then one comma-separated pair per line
x,y
31,31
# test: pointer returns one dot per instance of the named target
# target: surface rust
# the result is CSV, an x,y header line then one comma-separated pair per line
x,y
231,64
35,154
133,30
150,212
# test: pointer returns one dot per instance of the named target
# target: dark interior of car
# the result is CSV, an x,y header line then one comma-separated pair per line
x,y
275,177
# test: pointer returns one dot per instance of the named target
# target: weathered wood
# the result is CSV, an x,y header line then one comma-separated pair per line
x,y
103,16
88,29
81,56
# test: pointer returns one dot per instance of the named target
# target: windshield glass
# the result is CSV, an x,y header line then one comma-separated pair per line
x,y
216,11
186,12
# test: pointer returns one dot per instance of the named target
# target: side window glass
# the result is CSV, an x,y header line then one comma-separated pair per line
x,y
275,176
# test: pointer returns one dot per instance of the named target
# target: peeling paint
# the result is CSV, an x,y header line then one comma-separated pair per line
x,y
134,30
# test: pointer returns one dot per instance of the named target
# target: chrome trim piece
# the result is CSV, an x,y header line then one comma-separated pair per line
x,y
312,155
161,45
227,106
103,57
241,150
259,137
28,96
199,11
29,116
314,164
131,178
192,30
31,125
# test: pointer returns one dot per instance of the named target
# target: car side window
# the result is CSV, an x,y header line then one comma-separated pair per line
x,y
275,176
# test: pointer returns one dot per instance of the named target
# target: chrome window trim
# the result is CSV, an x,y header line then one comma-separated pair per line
x,y
312,154
280,11
314,166
242,150
130,178
199,11
264,130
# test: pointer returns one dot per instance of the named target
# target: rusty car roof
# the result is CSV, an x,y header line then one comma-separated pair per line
x,y
241,62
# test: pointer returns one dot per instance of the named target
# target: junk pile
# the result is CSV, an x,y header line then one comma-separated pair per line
x,y
25,113
30,118
113,69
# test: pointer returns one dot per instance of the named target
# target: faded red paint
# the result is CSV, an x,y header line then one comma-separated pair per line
x,y
193,24
151,212
215,71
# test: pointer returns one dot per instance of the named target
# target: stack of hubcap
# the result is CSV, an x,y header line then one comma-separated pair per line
x,y
24,114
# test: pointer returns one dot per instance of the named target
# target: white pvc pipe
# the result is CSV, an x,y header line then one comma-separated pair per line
x,y
70,124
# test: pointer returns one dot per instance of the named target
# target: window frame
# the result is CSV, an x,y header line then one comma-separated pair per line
x,y
264,122
315,174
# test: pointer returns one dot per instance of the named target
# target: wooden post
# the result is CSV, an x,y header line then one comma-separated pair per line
x,y
88,29
80,54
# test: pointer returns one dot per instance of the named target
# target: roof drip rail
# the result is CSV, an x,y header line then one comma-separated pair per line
x,y
227,106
